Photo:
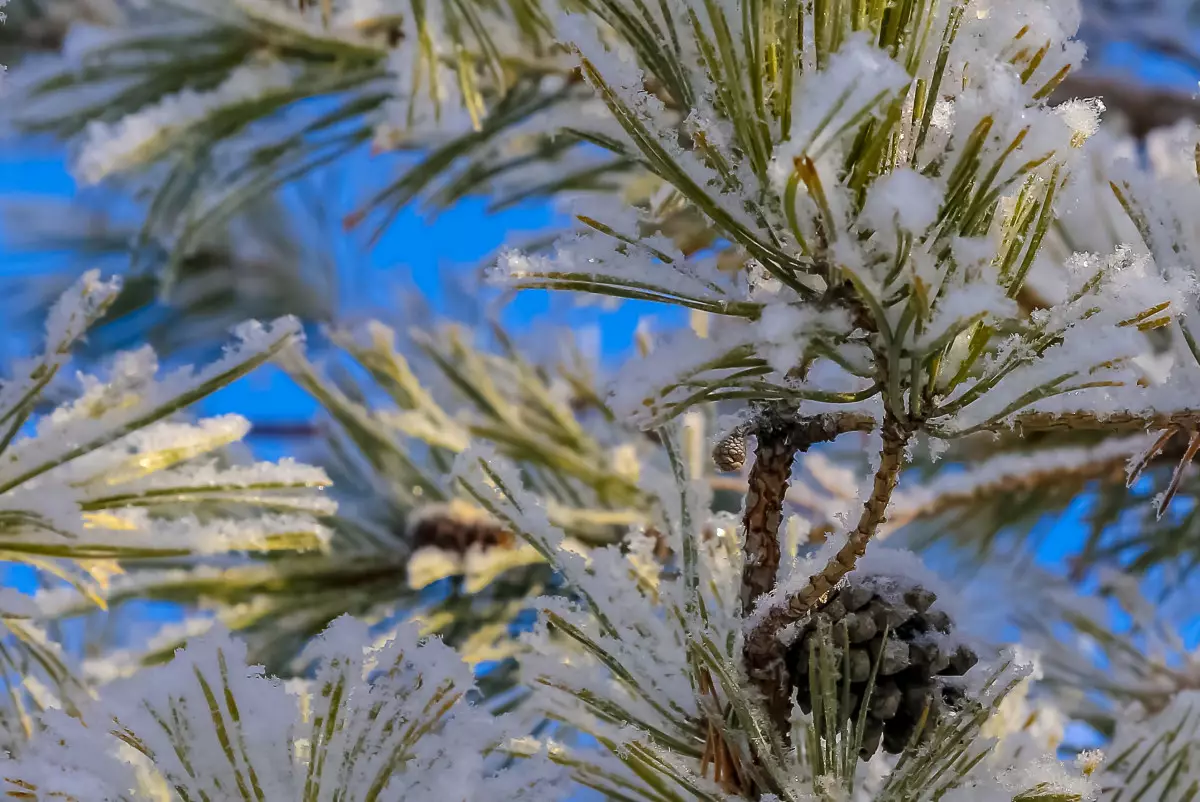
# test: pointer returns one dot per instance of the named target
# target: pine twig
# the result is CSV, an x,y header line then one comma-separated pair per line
x,y
761,650
1112,422
1108,466
768,483
780,438
1164,501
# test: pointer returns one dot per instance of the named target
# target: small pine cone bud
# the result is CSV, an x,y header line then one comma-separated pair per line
x,y
856,597
962,661
928,656
835,609
953,695
894,657
730,452
917,698
897,733
919,599
872,735
889,616
912,667
937,619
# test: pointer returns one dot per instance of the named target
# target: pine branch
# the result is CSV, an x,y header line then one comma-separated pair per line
x,y
780,438
1111,422
988,483
941,503
761,650
768,483
398,415
381,719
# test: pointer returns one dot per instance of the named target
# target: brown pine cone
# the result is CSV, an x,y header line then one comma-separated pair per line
x,y
911,667
730,452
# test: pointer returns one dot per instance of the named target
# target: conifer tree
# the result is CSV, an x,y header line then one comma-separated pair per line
x,y
890,230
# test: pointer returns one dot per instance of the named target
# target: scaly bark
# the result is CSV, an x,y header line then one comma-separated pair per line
x,y
780,437
762,652
768,483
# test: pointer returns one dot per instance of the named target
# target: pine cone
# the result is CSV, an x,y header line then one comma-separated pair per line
x,y
730,452
913,663
456,527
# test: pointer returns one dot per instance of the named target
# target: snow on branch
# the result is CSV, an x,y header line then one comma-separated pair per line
x,y
382,718
840,251
141,138
650,681
883,198
834,495
114,475
1011,473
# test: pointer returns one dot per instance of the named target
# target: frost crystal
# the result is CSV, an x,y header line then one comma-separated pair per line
x,y
637,660
881,222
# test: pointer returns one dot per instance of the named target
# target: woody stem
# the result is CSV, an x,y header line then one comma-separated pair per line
x,y
780,435
768,484
761,651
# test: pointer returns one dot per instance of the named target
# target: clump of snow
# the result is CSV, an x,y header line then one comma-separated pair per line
x,y
14,604
858,77
1083,116
902,198
113,474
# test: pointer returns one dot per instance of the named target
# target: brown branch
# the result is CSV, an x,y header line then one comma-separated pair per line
x,y
768,483
780,437
1118,421
1109,470
761,652
925,502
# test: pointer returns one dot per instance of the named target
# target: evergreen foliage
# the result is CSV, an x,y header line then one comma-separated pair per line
x,y
931,303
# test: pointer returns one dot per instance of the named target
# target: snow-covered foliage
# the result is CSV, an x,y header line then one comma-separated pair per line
x,y
886,188
400,407
889,230
381,719
879,188
647,662
141,137
114,476
1155,754
483,87
1113,657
